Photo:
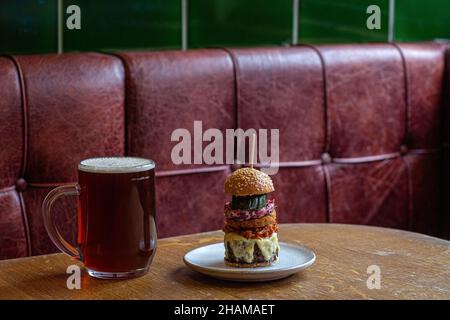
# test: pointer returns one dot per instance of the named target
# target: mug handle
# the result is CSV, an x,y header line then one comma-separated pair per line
x,y
49,221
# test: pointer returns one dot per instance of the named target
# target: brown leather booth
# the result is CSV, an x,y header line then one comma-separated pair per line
x,y
363,138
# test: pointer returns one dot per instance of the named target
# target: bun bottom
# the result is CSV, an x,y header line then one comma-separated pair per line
x,y
251,265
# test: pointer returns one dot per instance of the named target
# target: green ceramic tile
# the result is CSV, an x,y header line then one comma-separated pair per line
x,y
422,20
28,26
118,24
330,21
239,22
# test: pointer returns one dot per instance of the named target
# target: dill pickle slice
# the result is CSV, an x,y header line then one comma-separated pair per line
x,y
252,203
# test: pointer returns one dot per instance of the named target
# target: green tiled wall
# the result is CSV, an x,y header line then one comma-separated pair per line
x,y
116,24
30,26
239,22
325,21
422,20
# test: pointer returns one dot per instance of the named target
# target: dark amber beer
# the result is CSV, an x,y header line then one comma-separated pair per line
x,y
116,216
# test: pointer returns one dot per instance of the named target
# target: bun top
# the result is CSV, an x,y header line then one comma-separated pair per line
x,y
248,182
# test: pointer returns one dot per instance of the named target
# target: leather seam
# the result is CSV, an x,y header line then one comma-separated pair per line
x,y
7,189
406,130
327,138
288,164
25,223
24,161
410,215
192,171
424,151
327,178
406,93
164,173
236,99
366,159
235,64
129,95
24,107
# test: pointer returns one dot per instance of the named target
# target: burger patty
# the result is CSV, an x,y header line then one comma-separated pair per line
x,y
257,256
253,223
242,214
254,233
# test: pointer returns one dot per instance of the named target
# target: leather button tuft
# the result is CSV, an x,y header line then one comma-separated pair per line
x,y
21,185
326,158
403,149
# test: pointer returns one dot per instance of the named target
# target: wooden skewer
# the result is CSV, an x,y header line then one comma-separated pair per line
x,y
252,148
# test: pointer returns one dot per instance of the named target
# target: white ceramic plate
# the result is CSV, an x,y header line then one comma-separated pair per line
x,y
209,260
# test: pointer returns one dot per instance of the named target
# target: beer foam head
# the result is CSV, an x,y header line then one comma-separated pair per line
x,y
116,165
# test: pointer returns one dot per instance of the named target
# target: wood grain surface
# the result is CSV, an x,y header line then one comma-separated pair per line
x,y
413,266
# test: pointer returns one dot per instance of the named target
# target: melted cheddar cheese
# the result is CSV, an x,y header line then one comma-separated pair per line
x,y
243,248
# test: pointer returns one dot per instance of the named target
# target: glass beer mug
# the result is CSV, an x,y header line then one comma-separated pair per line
x,y
116,216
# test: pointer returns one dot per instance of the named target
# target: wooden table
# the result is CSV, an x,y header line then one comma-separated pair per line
x,y
413,266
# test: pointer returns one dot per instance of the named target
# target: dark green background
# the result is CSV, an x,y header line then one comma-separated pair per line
x,y
30,26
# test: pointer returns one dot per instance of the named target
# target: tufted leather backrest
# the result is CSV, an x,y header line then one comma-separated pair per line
x,y
360,132
360,128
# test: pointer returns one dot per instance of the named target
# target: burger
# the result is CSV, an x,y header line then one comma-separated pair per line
x,y
250,220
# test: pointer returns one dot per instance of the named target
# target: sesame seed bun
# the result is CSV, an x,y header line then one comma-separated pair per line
x,y
248,182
